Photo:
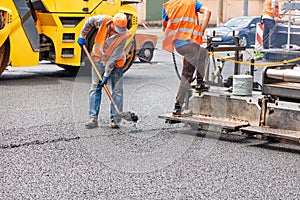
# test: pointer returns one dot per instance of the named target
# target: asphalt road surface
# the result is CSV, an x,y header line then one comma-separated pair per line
x,y
46,153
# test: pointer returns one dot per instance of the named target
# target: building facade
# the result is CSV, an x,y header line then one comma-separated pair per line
x,y
150,10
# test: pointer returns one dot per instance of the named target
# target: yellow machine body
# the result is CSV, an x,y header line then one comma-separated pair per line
x,y
48,29
5,24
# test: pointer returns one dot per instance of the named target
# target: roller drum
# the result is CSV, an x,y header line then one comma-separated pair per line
x,y
289,75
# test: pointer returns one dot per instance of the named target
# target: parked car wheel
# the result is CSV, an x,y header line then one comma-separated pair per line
x,y
146,52
244,40
145,46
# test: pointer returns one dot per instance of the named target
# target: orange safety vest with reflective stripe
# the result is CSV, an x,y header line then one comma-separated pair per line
x,y
98,53
268,9
182,24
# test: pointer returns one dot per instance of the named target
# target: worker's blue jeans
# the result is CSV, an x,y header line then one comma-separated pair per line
x,y
116,79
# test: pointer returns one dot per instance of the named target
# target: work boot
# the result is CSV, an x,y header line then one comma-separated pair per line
x,y
200,87
177,110
187,113
115,123
92,123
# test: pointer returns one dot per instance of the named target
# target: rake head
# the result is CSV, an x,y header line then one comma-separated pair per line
x,y
129,116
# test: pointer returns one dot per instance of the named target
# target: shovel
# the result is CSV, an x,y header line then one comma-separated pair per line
x,y
129,116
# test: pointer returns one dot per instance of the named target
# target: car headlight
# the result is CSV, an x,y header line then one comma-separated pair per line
x,y
217,33
231,33
210,33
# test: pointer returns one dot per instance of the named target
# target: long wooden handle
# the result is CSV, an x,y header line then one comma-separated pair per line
x,y
101,79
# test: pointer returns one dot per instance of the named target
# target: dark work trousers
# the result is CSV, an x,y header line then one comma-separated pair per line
x,y
195,58
269,33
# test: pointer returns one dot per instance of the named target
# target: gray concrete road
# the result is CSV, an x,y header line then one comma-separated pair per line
x,y
47,154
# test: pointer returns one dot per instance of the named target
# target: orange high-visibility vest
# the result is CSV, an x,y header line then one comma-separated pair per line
x,y
268,9
97,52
182,24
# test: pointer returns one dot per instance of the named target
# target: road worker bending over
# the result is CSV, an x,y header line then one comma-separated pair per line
x,y
109,56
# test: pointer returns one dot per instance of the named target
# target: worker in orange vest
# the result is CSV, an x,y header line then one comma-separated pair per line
x,y
182,32
270,19
109,57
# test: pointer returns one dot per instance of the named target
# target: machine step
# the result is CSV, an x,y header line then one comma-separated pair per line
x,y
228,124
271,132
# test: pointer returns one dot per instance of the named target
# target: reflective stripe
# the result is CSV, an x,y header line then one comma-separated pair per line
x,y
99,48
186,19
184,30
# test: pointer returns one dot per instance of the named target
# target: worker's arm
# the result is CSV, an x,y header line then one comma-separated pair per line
x,y
275,10
90,23
206,17
164,19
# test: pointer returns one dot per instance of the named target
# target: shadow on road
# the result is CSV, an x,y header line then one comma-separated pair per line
x,y
45,72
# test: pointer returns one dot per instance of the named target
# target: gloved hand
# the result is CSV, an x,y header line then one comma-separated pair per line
x,y
81,42
104,81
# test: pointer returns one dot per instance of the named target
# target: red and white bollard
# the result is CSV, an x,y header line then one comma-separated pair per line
x,y
259,37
